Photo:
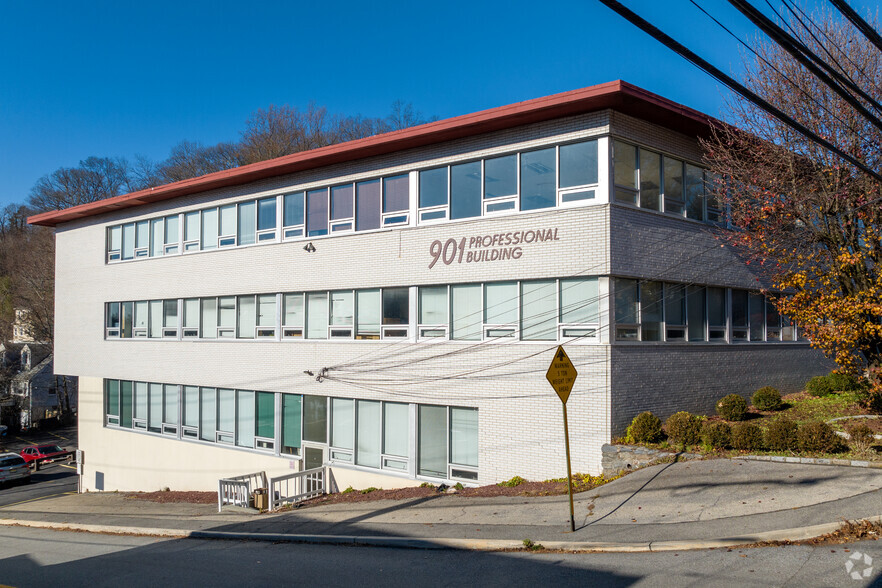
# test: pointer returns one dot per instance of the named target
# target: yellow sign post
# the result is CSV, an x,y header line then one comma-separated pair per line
x,y
561,375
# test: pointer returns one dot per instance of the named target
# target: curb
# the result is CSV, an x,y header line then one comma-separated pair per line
x,y
795,534
854,463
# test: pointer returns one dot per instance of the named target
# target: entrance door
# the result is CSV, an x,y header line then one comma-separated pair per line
x,y
313,457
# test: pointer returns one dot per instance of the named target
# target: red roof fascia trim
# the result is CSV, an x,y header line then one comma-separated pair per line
x,y
618,95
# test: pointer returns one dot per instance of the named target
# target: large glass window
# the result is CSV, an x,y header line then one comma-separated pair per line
x,y
675,312
579,300
464,436
396,194
674,202
209,228
226,316
501,303
627,310
367,205
227,235
247,223
694,192
538,182
395,306
245,418
291,421
209,318
154,416
696,312
501,176
266,415
433,305
294,316
315,419
466,307
650,180
368,314
716,314
539,310
191,231
266,217
757,317
432,446
433,187
341,202
651,311
368,443
246,317
226,414
157,239
125,404
208,424
293,214
396,429
317,315
578,164
740,315
191,406
465,190
317,212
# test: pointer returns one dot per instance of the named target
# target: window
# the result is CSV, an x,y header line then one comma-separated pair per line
x,y
208,422
190,420
226,416
367,205
293,317
227,236
293,215
716,314
694,192
433,194
157,238
247,229
675,312
500,183
368,314
111,322
538,181
315,419
368,433
190,324
465,190
317,315
673,186
226,316
317,213
114,243
433,311
209,228
696,312
170,318
191,231
245,418
650,180
651,311
266,316
342,314
128,241
291,420
625,157
396,435
740,315
172,235
142,239
501,306
396,200
757,317
246,317
539,310
111,401
627,310
578,307
773,321
342,429
467,307
265,419
448,451
209,318
266,220
396,312
342,208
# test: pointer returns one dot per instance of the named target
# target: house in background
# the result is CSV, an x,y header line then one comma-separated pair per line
x,y
31,393
22,329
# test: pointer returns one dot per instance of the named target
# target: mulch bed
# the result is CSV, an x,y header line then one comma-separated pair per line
x,y
175,496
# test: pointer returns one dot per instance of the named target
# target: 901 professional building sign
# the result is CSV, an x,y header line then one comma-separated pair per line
x,y
389,306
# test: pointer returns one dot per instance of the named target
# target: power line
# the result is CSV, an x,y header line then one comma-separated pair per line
x,y
862,25
734,85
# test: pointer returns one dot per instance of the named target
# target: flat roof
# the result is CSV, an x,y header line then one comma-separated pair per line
x,y
618,95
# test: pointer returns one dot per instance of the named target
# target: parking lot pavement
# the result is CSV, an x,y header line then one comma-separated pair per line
x,y
51,479
63,436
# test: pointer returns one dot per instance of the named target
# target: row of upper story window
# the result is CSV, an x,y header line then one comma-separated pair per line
x,y
558,176
657,311
653,181
366,433
534,310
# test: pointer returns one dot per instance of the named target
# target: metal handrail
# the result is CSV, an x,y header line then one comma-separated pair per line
x,y
237,490
296,487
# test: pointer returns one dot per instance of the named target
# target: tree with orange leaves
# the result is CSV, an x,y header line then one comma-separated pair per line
x,y
810,220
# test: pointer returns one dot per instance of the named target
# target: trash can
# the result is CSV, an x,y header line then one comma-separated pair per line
x,y
261,499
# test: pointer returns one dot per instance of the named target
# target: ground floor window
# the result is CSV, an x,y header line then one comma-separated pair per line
x,y
420,440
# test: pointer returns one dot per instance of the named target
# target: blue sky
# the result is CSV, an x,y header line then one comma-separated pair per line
x,y
123,79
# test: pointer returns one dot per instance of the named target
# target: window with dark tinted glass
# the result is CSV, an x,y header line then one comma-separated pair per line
x,y
395,306
396,194
538,181
501,176
465,190
578,164
367,205
433,187
317,212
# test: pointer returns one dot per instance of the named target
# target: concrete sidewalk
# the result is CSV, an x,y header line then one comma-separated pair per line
x,y
686,505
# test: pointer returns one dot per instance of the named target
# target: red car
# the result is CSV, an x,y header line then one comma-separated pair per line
x,y
45,454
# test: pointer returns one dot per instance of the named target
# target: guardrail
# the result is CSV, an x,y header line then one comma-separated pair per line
x,y
296,487
237,490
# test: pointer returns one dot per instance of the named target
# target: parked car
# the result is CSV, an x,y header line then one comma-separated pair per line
x,y
45,454
13,468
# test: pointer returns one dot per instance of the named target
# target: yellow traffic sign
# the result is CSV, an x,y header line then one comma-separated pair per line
x,y
561,374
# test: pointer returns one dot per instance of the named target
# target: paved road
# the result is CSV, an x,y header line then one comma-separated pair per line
x,y
51,480
33,557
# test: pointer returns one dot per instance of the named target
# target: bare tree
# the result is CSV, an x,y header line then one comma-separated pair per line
x,y
190,159
94,179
